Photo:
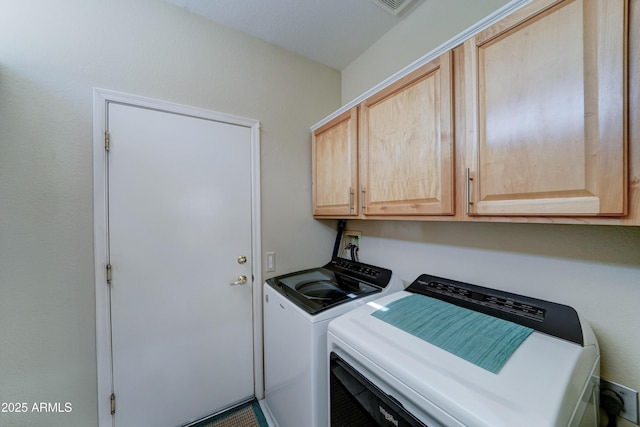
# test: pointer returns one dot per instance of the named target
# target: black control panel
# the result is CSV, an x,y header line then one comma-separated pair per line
x,y
372,274
501,303
544,316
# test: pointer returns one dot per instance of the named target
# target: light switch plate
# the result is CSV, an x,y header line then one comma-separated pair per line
x,y
271,261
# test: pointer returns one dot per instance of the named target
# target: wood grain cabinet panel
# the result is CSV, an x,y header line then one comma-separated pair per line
x,y
547,127
548,111
406,144
335,166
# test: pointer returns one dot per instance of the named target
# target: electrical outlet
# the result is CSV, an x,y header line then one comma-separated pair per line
x,y
349,240
629,397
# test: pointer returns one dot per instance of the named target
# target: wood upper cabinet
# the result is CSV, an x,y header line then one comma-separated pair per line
x,y
546,128
406,144
335,166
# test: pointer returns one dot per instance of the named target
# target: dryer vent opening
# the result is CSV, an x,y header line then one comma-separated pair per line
x,y
394,7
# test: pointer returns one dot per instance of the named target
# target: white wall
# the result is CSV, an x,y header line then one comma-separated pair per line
x,y
432,23
595,269
51,56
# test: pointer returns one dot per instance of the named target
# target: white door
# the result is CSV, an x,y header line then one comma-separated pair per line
x,y
179,216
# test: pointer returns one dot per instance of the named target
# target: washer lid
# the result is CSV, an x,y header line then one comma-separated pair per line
x,y
323,290
319,289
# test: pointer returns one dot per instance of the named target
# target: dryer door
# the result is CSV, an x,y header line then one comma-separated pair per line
x,y
356,402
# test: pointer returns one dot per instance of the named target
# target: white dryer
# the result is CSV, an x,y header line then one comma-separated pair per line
x,y
407,369
297,310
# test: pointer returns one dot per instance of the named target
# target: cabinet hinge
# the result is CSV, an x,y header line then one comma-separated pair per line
x,y
109,274
113,403
106,140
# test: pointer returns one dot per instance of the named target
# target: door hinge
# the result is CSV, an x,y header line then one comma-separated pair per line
x,y
113,403
106,140
108,274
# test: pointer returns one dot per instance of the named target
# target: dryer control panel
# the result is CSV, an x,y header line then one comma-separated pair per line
x,y
544,316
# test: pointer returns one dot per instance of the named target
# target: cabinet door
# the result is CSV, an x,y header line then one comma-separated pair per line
x,y
548,111
407,144
335,166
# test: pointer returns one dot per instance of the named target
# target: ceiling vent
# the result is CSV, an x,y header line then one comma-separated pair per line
x,y
394,7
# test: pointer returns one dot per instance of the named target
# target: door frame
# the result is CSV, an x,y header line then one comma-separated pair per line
x,y
101,100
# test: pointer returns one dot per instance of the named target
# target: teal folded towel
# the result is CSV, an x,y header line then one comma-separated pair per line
x,y
483,340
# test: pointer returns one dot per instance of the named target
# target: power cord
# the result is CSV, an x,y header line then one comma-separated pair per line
x,y
612,404
353,251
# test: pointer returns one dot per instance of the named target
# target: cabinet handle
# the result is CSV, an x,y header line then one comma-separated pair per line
x,y
350,200
468,201
362,206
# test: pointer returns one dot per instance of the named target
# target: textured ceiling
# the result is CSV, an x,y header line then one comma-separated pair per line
x,y
332,32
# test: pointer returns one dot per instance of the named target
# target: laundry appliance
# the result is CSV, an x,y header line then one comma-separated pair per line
x,y
447,353
297,310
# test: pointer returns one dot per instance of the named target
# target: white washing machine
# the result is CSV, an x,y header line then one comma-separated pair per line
x,y
396,362
297,310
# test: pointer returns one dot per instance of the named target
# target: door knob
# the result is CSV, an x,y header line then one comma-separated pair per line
x,y
242,259
241,280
